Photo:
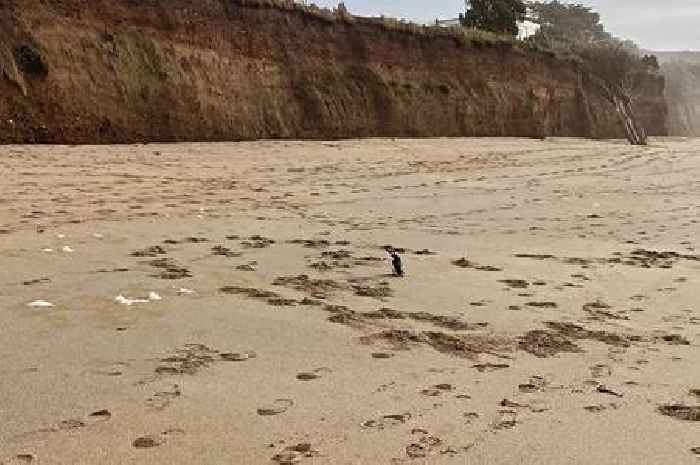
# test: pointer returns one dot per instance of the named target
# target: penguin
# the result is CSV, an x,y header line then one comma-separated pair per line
x,y
396,263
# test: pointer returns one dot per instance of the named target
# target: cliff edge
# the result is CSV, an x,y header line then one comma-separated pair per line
x,y
122,71
682,73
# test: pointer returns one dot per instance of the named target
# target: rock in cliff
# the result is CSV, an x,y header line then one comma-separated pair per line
x,y
109,71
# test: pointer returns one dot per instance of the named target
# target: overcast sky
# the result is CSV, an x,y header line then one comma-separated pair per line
x,y
653,24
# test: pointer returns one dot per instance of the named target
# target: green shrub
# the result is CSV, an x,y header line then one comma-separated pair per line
x,y
29,60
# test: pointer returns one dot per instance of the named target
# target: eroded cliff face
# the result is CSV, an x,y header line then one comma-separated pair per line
x,y
682,73
99,71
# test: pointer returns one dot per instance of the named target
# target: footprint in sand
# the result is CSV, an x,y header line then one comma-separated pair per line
x,y
312,375
99,416
67,425
600,371
681,412
437,390
528,388
294,454
506,419
279,406
424,446
489,367
147,442
387,420
72,424
19,459
162,399
470,416
238,356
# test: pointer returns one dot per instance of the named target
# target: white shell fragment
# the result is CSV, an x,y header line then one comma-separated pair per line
x,y
152,297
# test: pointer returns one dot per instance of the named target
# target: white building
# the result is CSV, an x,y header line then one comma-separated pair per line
x,y
526,28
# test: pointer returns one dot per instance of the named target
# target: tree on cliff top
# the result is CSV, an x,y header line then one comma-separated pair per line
x,y
615,66
562,22
499,16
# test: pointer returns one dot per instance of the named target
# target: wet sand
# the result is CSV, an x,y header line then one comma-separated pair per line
x,y
232,303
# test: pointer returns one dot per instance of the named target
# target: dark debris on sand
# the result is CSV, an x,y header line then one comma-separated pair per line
x,y
464,263
318,288
561,336
250,292
543,343
459,345
681,412
152,251
170,269
224,252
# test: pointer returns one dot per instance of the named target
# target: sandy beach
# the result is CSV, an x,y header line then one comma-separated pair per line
x,y
233,303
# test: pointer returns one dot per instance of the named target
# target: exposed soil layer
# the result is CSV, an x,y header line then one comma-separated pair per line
x,y
120,71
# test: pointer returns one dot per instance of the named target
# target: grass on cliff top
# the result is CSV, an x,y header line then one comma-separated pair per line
x,y
341,15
